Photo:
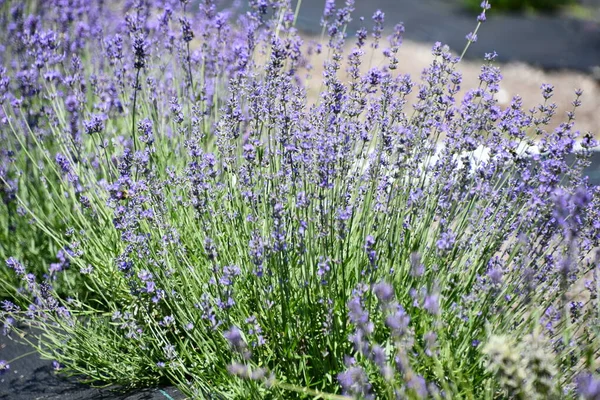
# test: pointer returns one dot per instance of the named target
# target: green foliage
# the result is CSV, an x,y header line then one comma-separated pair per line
x,y
226,235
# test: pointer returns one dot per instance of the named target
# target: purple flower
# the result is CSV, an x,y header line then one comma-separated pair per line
x,y
63,163
323,267
360,318
15,265
169,320
446,241
588,386
256,330
235,338
329,8
384,292
355,382
495,270
71,104
140,51
169,352
186,30
379,357
398,322
8,325
210,248
378,19
430,339
95,124
145,130
4,367
256,250
144,275
419,385
547,91
64,260
370,249
432,303
230,272
9,306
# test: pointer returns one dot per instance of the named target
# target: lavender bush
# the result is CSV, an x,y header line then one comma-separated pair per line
x,y
176,210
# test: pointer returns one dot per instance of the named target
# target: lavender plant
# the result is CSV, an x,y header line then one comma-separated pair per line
x,y
177,210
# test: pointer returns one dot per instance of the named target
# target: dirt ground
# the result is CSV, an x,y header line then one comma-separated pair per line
x,y
518,79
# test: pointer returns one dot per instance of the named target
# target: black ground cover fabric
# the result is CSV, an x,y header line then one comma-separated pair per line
x,y
31,378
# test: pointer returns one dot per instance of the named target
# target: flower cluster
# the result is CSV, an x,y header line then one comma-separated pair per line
x,y
184,201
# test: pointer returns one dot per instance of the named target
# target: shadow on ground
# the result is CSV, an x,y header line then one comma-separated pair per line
x,y
31,378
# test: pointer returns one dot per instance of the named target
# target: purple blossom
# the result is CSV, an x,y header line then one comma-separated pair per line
x,y
95,124
257,252
398,322
64,260
323,268
378,19
360,318
430,339
8,325
15,265
432,303
63,163
167,321
329,9
186,30
446,241
419,385
355,382
471,37
255,330
495,270
169,352
145,131
235,338
71,104
588,386
210,248
4,367
230,272
140,52
252,203
370,250
384,292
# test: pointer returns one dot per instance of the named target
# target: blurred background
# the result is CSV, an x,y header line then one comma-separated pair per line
x,y
537,41
551,34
